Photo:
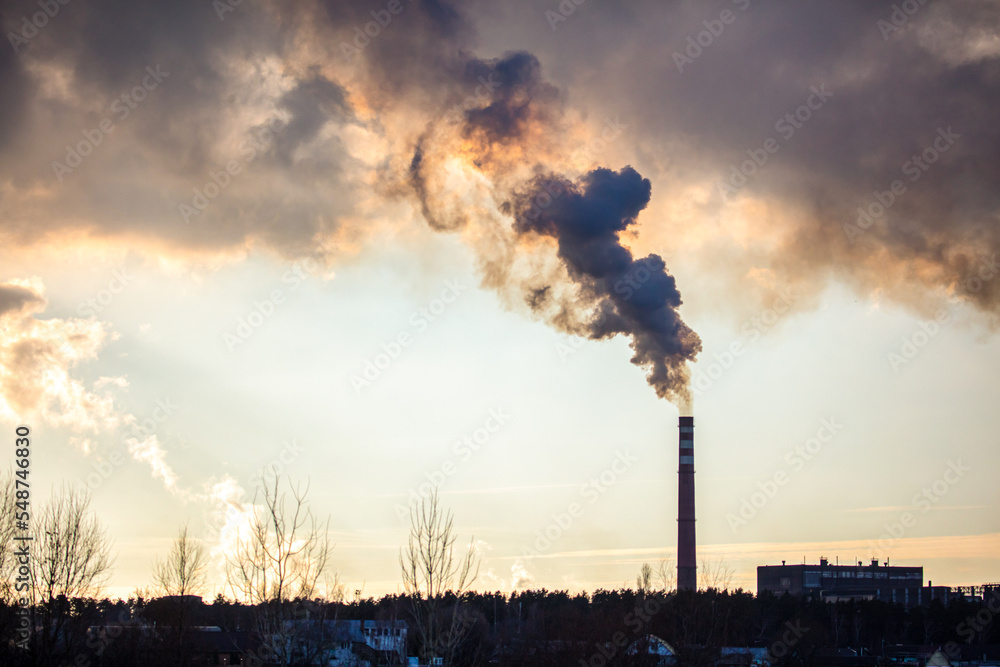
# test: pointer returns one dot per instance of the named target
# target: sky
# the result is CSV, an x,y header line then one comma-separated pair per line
x,y
496,249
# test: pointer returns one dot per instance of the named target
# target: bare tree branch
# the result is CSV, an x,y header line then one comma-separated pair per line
x,y
184,570
181,575
72,559
430,570
717,574
279,559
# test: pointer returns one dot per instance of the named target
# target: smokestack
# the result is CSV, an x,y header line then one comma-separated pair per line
x,y
687,569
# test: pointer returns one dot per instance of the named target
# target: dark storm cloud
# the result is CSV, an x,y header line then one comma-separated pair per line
x,y
151,146
903,110
15,84
632,297
106,46
311,104
14,297
893,92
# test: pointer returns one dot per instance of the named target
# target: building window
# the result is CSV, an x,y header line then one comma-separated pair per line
x,y
786,582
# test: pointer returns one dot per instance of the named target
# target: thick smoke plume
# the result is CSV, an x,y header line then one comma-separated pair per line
x,y
631,297
598,290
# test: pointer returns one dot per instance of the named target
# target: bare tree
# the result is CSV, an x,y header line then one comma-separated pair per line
x,y
71,559
430,571
661,580
184,570
666,575
280,557
644,580
8,563
716,574
181,575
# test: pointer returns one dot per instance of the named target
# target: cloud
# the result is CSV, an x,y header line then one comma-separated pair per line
x,y
16,297
107,152
520,579
37,359
149,451
274,138
229,517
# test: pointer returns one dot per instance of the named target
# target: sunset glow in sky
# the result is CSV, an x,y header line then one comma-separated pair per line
x,y
498,248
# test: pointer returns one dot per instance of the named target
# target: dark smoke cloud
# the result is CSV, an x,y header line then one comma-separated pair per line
x,y
519,96
498,105
416,59
418,181
631,297
893,89
514,123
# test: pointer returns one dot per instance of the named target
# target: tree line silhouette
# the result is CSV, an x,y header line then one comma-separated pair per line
x,y
279,614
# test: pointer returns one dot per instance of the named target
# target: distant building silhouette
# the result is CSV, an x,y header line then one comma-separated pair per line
x,y
903,585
